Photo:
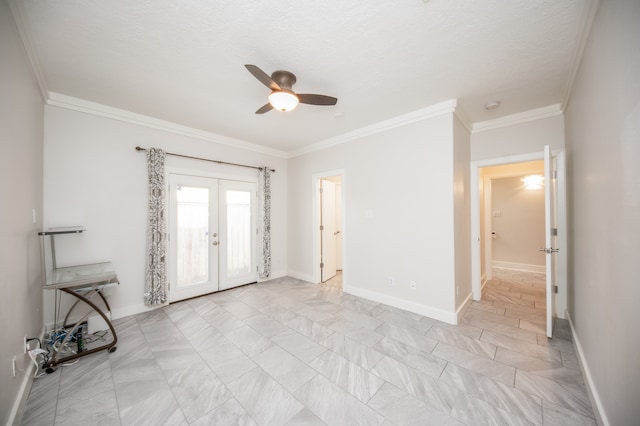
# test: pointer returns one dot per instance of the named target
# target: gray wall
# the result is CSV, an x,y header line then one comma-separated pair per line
x,y
603,148
21,137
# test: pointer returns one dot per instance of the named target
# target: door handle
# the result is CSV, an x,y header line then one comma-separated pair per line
x,y
336,233
549,250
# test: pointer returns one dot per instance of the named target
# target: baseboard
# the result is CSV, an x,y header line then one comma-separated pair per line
x,y
463,307
525,267
417,308
300,276
594,397
273,276
17,411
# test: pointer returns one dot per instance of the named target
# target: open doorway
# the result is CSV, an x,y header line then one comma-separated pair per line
x,y
484,217
328,229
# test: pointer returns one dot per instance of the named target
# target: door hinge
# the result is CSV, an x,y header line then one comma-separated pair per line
x,y
321,228
321,190
555,289
554,232
322,265
555,174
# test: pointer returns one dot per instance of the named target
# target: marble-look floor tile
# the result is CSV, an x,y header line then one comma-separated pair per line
x,y
43,398
404,409
100,409
361,319
197,389
298,345
531,349
487,367
536,327
489,316
239,310
461,341
309,328
356,332
305,418
335,406
225,359
570,360
84,380
411,356
229,413
286,369
418,341
474,411
462,328
565,396
248,340
556,343
356,352
266,401
523,362
265,325
437,394
513,332
405,320
554,415
347,375
497,394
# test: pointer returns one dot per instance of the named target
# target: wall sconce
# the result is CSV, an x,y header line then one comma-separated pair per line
x,y
533,182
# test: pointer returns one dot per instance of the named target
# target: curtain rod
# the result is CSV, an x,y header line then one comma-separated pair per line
x,y
138,148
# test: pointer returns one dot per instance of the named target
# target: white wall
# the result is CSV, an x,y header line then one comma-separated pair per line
x,y
95,178
399,214
21,112
520,228
603,147
516,139
462,213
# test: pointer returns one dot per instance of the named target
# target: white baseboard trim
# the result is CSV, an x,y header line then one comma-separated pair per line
x,y
463,307
300,276
417,308
17,411
594,397
518,266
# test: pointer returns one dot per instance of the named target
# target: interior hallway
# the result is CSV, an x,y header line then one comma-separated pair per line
x,y
290,352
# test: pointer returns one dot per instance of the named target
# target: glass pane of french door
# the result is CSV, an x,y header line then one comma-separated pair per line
x,y
238,264
193,236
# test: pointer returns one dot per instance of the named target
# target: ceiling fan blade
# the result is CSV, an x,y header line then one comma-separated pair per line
x,y
312,99
264,108
262,77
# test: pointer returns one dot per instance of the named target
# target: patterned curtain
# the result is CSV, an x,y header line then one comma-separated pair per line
x,y
264,203
155,280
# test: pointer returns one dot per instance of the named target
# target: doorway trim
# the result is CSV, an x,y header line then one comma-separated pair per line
x,y
476,279
315,223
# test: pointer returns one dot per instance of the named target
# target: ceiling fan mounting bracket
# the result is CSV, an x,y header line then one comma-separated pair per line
x,y
284,79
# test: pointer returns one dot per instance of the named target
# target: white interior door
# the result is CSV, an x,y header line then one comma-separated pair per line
x,y
237,244
338,227
550,203
328,229
193,221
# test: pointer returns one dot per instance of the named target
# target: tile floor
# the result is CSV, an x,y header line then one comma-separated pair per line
x,y
289,352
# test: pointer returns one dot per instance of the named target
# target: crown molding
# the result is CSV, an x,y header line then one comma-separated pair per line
x,y
80,105
399,121
586,21
521,117
27,44
463,118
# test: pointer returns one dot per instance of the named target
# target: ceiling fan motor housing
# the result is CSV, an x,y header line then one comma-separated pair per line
x,y
284,79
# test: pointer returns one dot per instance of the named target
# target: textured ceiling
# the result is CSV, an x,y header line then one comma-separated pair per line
x,y
183,61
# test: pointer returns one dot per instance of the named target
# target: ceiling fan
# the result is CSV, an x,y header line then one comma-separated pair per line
x,y
282,97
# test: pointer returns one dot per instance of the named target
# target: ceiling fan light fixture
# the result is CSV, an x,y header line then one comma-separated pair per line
x,y
283,100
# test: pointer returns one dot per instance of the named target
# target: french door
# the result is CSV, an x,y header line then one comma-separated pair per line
x,y
212,228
